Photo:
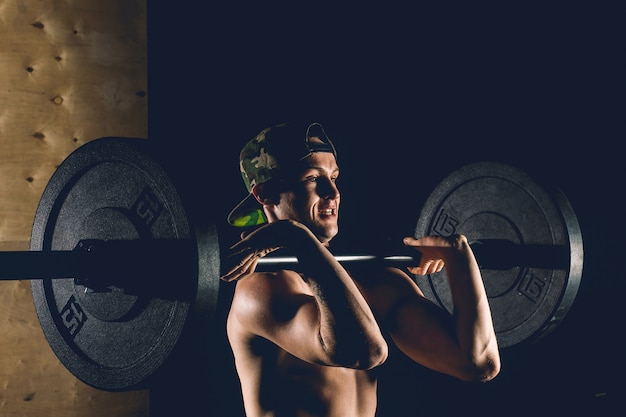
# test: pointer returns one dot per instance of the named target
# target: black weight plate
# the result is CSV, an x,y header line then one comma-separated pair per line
x,y
489,200
109,188
208,268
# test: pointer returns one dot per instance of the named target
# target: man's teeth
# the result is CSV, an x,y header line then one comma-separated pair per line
x,y
326,212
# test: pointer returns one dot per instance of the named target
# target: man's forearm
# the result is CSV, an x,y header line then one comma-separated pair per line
x,y
348,329
474,325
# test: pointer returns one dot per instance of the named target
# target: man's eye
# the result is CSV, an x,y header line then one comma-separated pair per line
x,y
311,179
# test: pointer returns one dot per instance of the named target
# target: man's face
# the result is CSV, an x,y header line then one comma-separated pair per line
x,y
313,198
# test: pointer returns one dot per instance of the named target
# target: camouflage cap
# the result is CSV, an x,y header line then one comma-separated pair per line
x,y
272,154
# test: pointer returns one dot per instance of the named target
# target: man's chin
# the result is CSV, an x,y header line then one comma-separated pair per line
x,y
325,235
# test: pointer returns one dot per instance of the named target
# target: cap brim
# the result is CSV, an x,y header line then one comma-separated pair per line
x,y
247,213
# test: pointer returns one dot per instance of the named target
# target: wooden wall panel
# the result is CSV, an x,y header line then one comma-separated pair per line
x,y
72,71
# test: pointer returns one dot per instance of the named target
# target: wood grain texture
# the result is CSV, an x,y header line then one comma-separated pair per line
x,y
72,72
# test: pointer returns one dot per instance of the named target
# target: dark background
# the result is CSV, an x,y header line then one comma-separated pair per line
x,y
408,94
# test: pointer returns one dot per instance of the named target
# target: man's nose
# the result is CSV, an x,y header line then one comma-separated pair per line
x,y
328,189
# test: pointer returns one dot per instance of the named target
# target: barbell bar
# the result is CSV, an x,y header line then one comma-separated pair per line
x,y
117,264
98,264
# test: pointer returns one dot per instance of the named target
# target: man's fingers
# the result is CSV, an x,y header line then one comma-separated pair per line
x,y
244,262
437,266
243,268
429,266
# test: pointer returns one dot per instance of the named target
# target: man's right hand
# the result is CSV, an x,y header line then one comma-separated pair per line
x,y
245,254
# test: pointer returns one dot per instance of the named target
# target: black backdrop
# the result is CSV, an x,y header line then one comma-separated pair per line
x,y
408,95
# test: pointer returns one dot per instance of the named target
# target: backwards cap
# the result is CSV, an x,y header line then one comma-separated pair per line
x,y
273,154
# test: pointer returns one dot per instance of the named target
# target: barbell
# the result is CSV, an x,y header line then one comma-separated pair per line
x,y
117,264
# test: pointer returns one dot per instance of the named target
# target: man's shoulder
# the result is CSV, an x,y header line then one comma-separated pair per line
x,y
265,284
260,295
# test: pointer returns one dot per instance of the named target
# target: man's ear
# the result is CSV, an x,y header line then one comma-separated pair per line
x,y
264,195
